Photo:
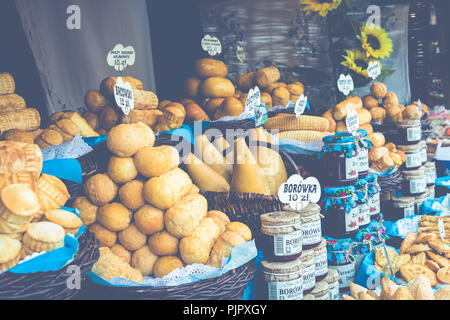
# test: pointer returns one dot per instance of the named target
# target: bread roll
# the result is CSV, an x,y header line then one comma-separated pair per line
x,y
378,114
122,170
52,192
173,117
131,238
266,99
125,140
144,260
411,112
100,189
184,217
17,157
368,128
269,89
223,247
328,115
114,216
394,114
95,101
246,81
165,191
121,252
280,96
377,139
342,108
370,102
207,68
156,161
88,211
163,244
108,118
267,76
149,117
107,85
131,194
149,220
378,90
220,218
191,87
165,265
163,104
341,126
212,105
104,236
390,100
195,113
91,119
240,228
217,87
364,116
229,107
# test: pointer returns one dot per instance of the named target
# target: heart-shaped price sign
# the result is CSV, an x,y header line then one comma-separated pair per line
x,y
298,192
120,57
374,69
253,101
211,45
123,95
345,84
300,105
352,121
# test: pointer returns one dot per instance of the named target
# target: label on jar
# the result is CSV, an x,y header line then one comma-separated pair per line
x,y
333,294
431,176
409,211
351,168
424,155
287,290
431,194
321,263
351,220
363,160
414,134
413,160
288,244
418,185
347,274
309,277
311,232
364,214
374,204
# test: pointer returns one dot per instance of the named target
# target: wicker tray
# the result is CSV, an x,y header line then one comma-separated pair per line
x,y
229,286
391,182
50,285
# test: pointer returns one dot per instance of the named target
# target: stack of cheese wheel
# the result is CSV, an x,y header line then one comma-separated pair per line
x,y
148,215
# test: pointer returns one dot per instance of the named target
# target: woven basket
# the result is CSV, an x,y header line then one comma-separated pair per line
x,y
229,286
50,285
391,182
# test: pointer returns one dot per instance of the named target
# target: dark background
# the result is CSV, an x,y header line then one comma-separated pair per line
x,y
176,33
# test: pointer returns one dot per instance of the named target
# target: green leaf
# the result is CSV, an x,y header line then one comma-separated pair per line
x,y
386,73
348,4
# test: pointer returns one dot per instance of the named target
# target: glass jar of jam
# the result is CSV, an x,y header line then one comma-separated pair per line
x,y
410,132
340,212
414,156
339,159
373,194
321,260
414,183
282,235
363,206
430,173
423,148
401,207
364,145
321,291
284,280
309,270
333,284
419,200
311,226
345,264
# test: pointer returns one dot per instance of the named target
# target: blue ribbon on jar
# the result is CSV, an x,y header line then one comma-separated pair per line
x,y
361,191
361,139
345,196
340,251
372,185
343,142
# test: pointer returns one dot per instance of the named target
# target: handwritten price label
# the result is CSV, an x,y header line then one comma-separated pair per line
x,y
298,193
374,70
123,95
345,84
261,115
253,101
120,57
300,105
352,121
211,45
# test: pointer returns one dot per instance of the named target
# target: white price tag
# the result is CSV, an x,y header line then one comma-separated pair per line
x,y
352,121
123,95
253,101
374,70
240,54
300,105
419,108
211,45
345,84
298,193
119,57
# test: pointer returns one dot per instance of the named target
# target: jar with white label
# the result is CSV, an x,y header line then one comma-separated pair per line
x,y
284,280
311,226
363,206
414,183
339,160
333,284
282,235
309,270
401,207
373,194
364,145
431,192
321,291
430,172
410,132
414,156
423,149
419,200
346,269
321,260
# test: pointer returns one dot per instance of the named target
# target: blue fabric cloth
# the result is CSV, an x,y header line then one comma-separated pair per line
x,y
69,169
443,182
438,206
93,141
53,260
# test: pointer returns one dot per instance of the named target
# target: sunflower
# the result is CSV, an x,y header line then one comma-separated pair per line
x,y
357,61
320,6
375,41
